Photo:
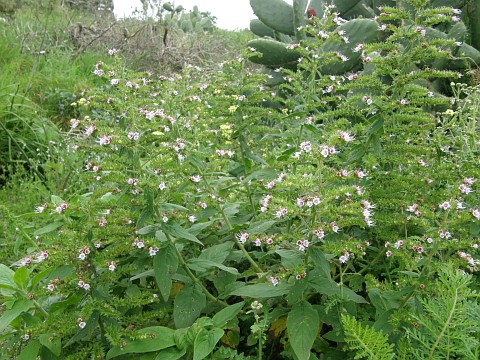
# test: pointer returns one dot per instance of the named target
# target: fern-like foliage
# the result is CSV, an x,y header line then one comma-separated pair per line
x,y
449,324
365,341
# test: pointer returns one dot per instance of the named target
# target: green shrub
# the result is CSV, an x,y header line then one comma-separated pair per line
x,y
208,223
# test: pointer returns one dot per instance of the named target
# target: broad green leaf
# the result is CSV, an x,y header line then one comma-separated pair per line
x,y
262,290
147,230
165,207
188,305
30,351
196,229
260,227
205,342
203,265
52,343
291,259
320,261
38,277
59,305
171,353
21,277
329,287
19,307
49,228
217,253
165,264
153,338
302,327
62,272
6,277
160,236
180,233
221,318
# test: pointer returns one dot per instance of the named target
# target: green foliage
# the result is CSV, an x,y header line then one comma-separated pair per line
x,y
447,324
279,21
366,341
205,222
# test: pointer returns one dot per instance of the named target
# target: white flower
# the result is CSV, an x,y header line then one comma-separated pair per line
x,y
196,178
344,258
192,218
104,140
445,205
40,209
82,324
152,251
50,287
306,146
242,236
162,186
114,82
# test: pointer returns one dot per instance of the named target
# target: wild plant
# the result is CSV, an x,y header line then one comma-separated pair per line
x,y
228,219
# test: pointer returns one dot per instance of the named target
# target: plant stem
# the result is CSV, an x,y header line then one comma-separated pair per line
x,y
254,264
192,276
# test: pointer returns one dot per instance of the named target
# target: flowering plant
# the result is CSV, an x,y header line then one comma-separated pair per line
x,y
205,195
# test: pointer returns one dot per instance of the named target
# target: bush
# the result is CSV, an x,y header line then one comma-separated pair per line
x,y
215,216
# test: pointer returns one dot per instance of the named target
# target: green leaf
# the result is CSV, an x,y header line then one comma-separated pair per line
x,y
262,290
21,277
6,278
59,305
19,307
153,338
147,230
217,253
221,318
188,305
260,227
205,342
290,258
49,228
302,327
196,229
52,343
202,265
30,351
172,353
320,261
38,277
329,287
165,264
180,233
366,341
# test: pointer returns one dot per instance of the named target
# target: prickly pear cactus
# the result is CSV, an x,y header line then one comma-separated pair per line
x,y
279,25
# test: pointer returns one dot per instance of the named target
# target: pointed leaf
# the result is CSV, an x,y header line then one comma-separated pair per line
x,y
188,305
165,264
6,277
153,338
205,342
19,307
202,265
21,277
180,233
302,327
221,318
262,290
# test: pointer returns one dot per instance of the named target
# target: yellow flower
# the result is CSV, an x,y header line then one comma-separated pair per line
x,y
233,108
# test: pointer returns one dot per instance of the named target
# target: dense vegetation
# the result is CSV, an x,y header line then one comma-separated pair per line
x,y
195,210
